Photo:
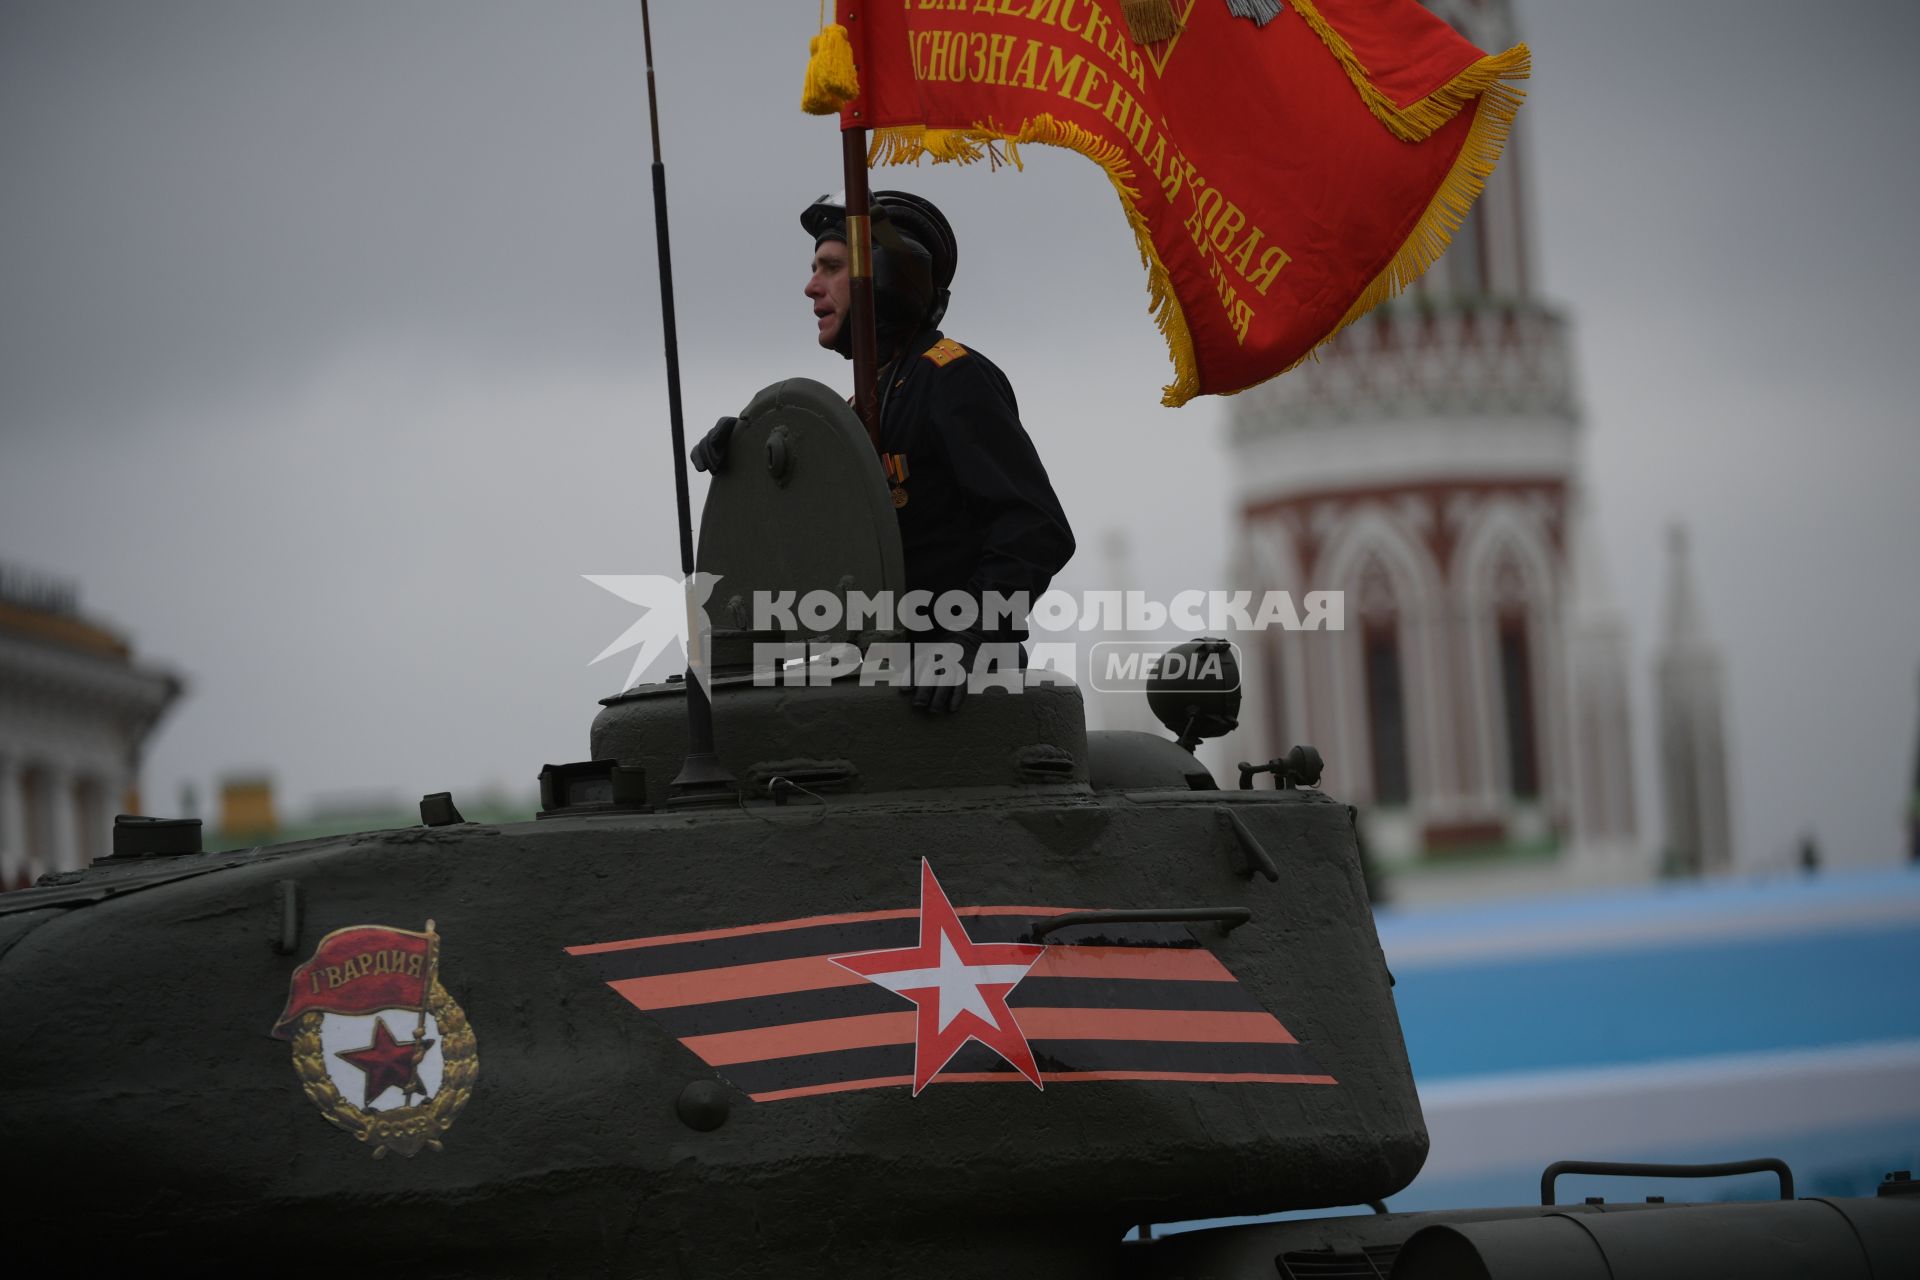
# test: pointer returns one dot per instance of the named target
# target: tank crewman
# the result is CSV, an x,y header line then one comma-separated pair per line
x,y
977,513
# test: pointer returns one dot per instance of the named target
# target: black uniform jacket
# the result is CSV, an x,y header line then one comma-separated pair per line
x,y
977,512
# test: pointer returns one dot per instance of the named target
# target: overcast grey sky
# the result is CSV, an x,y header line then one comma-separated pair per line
x,y
330,358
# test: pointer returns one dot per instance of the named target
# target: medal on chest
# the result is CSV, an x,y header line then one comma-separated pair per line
x,y
896,464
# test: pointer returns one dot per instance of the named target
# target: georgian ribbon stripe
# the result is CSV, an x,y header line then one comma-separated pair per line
x,y
766,1006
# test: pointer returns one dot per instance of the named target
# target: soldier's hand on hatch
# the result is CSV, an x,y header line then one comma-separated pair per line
x,y
711,453
941,665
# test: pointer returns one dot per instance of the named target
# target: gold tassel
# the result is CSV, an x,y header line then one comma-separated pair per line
x,y
831,81
1149,21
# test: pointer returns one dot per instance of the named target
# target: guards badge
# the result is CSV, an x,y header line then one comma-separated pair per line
x,y
378,1044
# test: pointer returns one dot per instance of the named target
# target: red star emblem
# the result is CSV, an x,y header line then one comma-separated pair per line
x,y
388,1062
959,987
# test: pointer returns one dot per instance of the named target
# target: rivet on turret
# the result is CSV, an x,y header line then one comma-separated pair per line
x,y
703,1105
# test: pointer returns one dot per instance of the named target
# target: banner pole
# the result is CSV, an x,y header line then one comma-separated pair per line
x,y
860,313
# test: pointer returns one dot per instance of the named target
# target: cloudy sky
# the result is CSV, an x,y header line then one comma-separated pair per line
x,y
330,356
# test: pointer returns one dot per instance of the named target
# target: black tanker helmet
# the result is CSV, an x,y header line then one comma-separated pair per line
x,y
914,256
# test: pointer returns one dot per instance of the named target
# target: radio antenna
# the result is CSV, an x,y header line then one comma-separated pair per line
x,y
702,777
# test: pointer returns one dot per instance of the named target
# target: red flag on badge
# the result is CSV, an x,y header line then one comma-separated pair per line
x,y
361,970
1284,166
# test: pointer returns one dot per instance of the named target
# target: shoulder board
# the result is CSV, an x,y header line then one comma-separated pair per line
x,y
944,352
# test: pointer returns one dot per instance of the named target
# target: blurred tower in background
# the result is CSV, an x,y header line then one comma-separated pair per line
x,y
75,715
1691,693
1475,707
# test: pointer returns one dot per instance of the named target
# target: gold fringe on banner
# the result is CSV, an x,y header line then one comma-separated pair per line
x,y
1149,21
906,144
1465,180
831,81
1416,121
1492,125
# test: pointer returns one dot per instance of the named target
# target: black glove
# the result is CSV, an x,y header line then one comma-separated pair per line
x,y
943,694
711,453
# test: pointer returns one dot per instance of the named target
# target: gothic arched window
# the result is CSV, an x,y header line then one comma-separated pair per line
x,y
1386,696
1515,656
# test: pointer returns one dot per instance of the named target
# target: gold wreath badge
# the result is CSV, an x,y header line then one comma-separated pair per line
x,y
404,1129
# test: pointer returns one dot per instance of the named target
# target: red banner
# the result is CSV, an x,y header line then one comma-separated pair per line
x,y
361,970
1280,178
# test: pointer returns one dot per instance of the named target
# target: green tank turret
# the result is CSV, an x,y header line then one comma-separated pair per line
x,y
941,996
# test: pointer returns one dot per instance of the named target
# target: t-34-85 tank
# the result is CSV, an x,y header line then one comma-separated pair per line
x,y
935,996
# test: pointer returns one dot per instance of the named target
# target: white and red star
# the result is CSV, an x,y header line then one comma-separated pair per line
x,y
959,987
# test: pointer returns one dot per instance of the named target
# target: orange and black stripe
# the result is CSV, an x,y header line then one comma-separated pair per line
x,y
765,1007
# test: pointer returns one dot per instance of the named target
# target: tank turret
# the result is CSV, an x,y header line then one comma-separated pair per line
x,y
949,996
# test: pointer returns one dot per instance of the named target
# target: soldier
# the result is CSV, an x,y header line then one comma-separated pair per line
x,y
977,513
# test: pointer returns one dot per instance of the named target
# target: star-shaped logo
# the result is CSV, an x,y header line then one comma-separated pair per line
x,y
388,1062
959,987
670,610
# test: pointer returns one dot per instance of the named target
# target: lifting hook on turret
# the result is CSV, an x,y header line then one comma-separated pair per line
x,y
1253,856
1300,767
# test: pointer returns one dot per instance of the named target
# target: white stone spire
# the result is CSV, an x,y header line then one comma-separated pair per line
x,y
1597,652
1686,629
1692,714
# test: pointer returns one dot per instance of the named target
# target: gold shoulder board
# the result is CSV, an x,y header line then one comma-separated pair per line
x,y
945,352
